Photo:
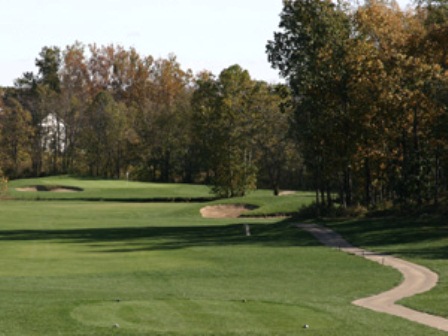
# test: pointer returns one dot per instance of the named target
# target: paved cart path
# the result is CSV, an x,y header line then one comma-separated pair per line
x,y
417,279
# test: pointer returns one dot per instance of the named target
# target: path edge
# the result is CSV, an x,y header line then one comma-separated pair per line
x,y
385,302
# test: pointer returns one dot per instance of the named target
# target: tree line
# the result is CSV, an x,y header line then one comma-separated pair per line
x,y
370,92
107,111
363,114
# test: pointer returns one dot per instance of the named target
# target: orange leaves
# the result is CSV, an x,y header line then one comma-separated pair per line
x,y
169,79
383,25
373,95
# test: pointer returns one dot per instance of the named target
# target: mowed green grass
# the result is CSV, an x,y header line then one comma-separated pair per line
x,y
421,240
269,205
83,268
95,189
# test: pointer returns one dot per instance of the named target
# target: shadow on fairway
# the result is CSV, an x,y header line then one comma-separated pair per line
x,y
59,197
430,234
169,238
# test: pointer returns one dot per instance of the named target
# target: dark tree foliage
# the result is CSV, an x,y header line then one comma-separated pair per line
x,y
369,91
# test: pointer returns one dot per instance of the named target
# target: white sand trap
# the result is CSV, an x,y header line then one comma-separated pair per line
x,y
225,210
64,190
287,192
27,189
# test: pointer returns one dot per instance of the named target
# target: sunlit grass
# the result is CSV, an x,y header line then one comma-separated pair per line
x,y
120,268
423,241
93,189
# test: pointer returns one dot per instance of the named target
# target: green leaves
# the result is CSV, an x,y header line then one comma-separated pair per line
x,y
49,64
308,53
222,127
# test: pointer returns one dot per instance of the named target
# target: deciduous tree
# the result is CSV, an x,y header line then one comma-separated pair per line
x,y
15,135
307,52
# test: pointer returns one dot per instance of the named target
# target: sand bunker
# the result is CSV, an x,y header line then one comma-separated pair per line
x,y
64,190
40,188
225,210
287,192
27,189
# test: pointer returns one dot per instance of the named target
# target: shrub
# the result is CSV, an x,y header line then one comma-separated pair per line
x,y
3,185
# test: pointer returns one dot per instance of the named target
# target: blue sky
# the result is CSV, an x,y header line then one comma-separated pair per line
x,y
204,34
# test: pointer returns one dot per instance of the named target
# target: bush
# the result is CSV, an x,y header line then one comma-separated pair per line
x,y
3,185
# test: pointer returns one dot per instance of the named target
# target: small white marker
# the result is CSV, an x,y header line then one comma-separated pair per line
x,y
247,228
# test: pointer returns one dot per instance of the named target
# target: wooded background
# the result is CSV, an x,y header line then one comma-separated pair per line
x,y
362,114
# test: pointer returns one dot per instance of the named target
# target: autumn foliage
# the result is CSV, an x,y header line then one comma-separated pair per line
x,y
370,86
363,118
107,111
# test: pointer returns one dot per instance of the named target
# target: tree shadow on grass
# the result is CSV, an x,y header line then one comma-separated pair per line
x,y
431,253
416,238
170,238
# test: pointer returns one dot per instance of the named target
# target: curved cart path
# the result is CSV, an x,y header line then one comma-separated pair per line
x,y
417,279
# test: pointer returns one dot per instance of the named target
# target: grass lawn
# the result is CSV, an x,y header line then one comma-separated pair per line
x,y
94,189
80,268
271,205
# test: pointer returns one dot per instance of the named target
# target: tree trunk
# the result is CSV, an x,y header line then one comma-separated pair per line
x,y
348,186
417,159
329,198
322,195
276,189
318,204
342,199
437,178
368,183
166,166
